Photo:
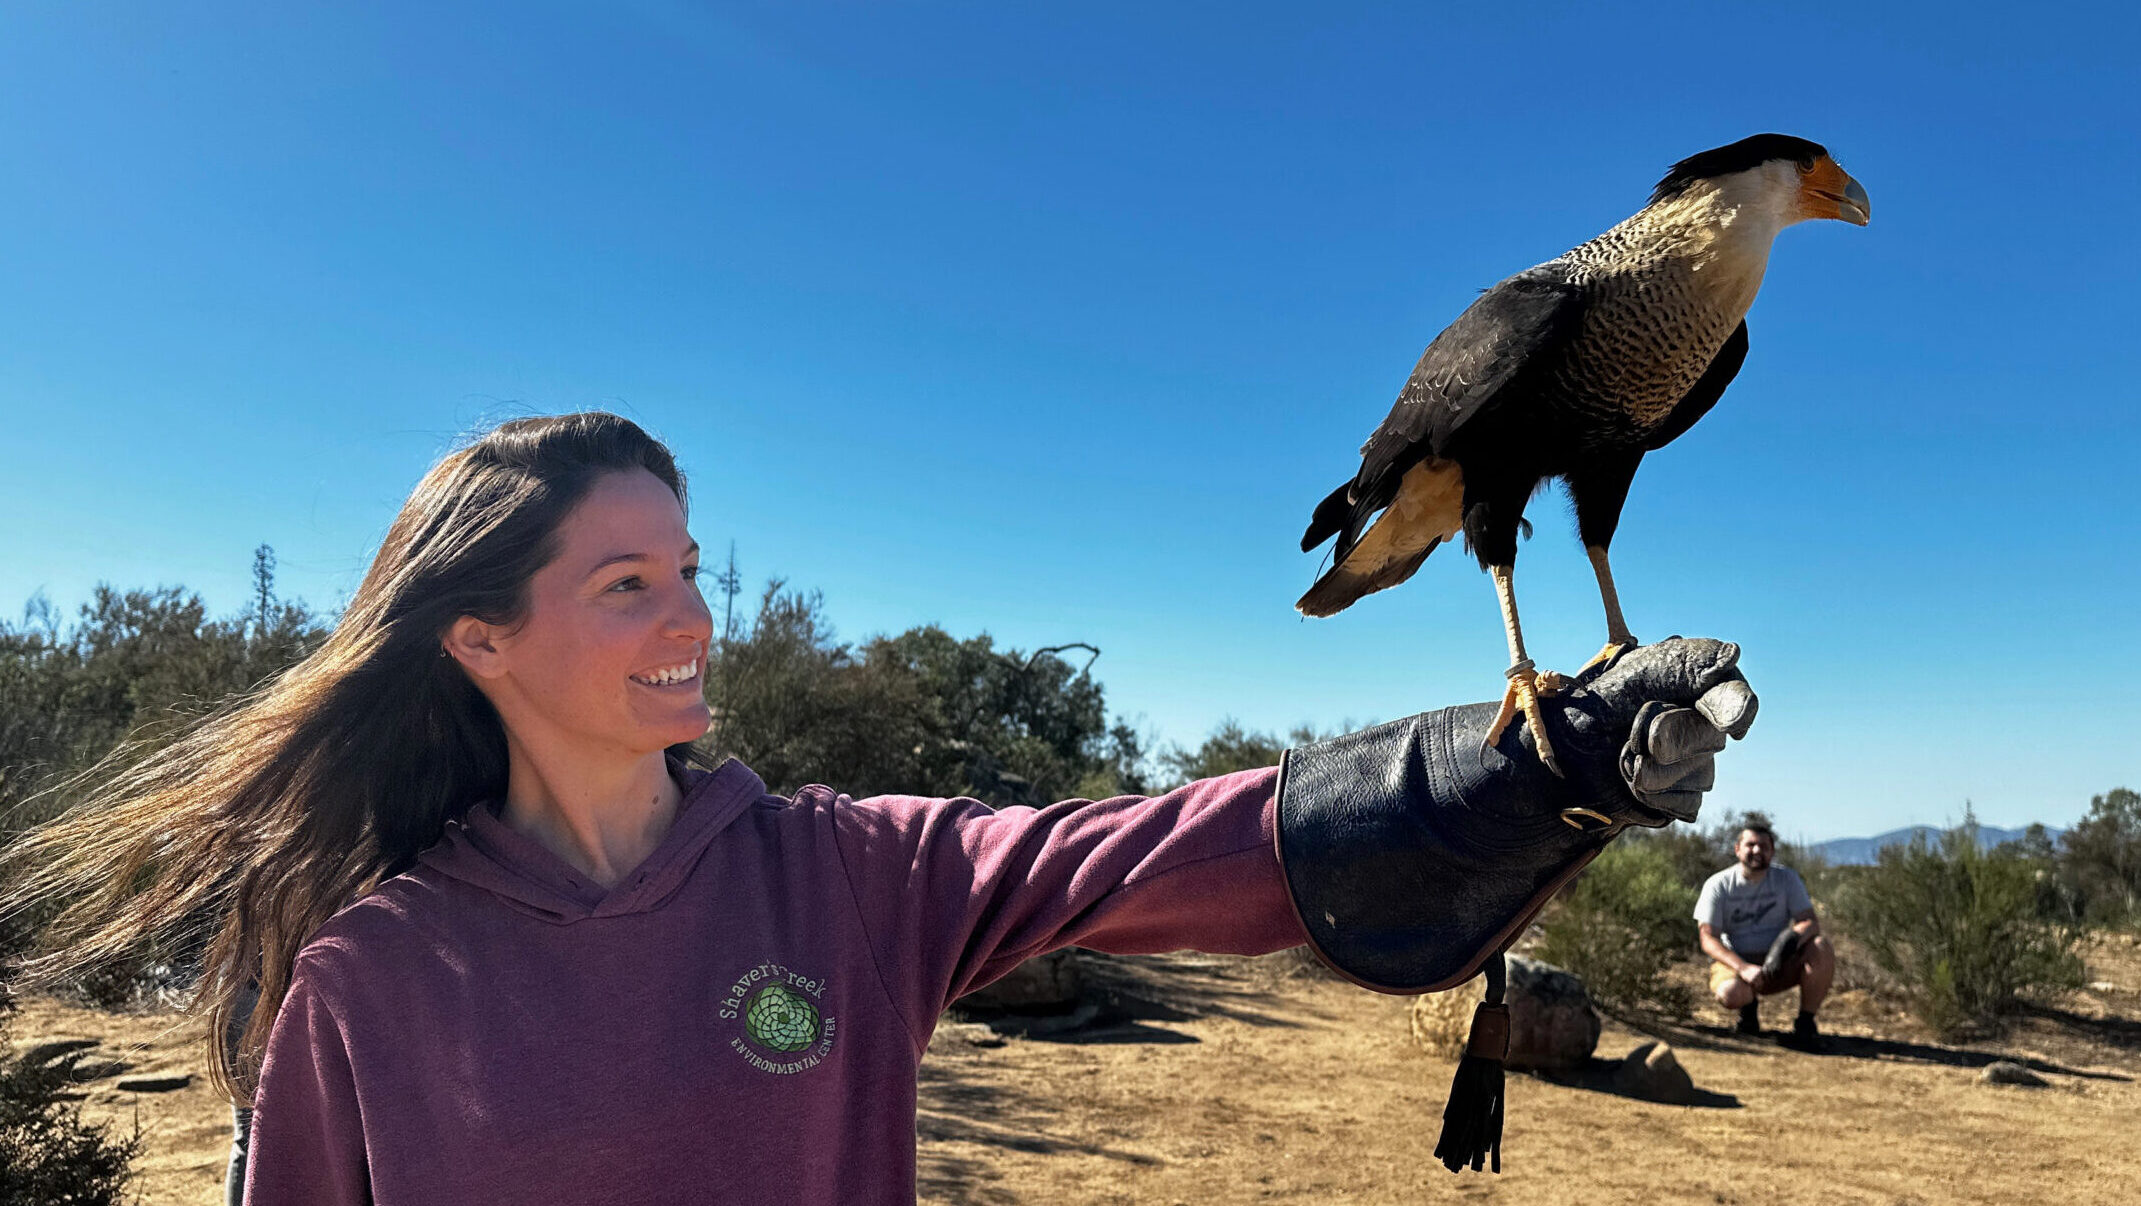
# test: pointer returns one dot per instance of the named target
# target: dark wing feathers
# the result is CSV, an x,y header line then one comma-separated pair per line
x,y
1467,365
1705,392
1459,375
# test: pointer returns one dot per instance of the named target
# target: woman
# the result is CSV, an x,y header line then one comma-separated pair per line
x,y
514,941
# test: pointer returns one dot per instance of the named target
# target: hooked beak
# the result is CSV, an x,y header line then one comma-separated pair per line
x,y
1830,192
1853,206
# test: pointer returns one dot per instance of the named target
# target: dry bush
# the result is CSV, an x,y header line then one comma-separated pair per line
x,y
1958,926
1620,925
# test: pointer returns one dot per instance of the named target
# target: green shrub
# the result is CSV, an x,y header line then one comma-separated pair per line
x,y
47,1154
1960,927
1620,925
2059,899
2100,859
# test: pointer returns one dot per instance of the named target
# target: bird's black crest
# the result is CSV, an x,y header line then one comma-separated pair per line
x,y
1736,157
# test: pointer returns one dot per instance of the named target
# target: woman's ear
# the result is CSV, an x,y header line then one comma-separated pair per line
x,y
474,644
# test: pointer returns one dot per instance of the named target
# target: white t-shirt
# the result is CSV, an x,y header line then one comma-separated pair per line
x,y
1749,914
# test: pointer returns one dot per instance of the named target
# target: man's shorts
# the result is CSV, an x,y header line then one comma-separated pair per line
x,y
1721,975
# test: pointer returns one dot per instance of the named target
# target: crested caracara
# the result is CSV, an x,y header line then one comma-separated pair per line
x,y
1573,369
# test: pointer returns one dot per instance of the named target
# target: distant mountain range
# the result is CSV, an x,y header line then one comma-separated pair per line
x,y
1864,851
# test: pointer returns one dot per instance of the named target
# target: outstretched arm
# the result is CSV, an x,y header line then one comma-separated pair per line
x,y
954,894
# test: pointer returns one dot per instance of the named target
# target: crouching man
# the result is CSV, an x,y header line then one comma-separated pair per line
x,y
1758,925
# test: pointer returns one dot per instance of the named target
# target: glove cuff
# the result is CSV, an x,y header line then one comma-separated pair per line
x,y
1413,855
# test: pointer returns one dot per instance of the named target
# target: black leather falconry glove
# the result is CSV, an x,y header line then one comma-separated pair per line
x,y
1415,856
1413,853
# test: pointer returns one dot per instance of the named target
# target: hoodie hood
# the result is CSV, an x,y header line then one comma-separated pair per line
x,y
481,850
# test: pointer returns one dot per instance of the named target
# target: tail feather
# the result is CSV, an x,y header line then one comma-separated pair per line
x,y
1426,509
1339,587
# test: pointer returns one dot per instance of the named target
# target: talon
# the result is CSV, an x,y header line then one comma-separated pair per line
x,y
1501,719
1522,695
1611,653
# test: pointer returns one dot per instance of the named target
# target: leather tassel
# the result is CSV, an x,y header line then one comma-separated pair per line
x,y
1472,1121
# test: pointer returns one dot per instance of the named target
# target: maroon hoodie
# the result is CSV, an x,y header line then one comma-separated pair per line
x,y
740,1019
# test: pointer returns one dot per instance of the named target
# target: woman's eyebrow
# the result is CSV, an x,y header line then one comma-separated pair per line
x,y
615,558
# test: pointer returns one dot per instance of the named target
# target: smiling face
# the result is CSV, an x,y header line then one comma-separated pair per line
x,y
1754,850
609,658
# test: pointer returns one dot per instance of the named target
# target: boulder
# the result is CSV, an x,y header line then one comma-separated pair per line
x,y
1048,982
2007,1072
1653,1073
1552,1024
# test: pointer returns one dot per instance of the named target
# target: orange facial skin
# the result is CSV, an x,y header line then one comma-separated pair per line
x,y
1827,191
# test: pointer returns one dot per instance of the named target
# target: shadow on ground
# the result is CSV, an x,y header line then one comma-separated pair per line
x,y
2124,1033
1847,1046
1601,1076
959,1105
1127,999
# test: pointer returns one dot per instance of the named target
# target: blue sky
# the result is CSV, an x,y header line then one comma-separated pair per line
x,y
1057,322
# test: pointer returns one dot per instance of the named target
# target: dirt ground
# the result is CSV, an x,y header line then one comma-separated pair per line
x,y
1213,1080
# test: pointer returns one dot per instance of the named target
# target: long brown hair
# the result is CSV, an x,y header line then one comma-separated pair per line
x,y
265,817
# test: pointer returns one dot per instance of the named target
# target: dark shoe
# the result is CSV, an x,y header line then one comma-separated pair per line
x,y
1750,1020
1806,1036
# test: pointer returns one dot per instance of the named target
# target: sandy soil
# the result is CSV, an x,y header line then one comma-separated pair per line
x,y
1230,1080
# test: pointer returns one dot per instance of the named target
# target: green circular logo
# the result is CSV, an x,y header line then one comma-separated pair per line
x,y
779,1019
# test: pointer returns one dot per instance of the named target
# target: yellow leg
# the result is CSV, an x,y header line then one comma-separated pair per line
x,y
1618,638
1526,685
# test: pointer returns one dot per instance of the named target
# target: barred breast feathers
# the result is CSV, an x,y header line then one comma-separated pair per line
x,y
1716,234
1665,289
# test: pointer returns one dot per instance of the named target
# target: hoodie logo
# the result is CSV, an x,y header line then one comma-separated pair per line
x,y
777,1019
